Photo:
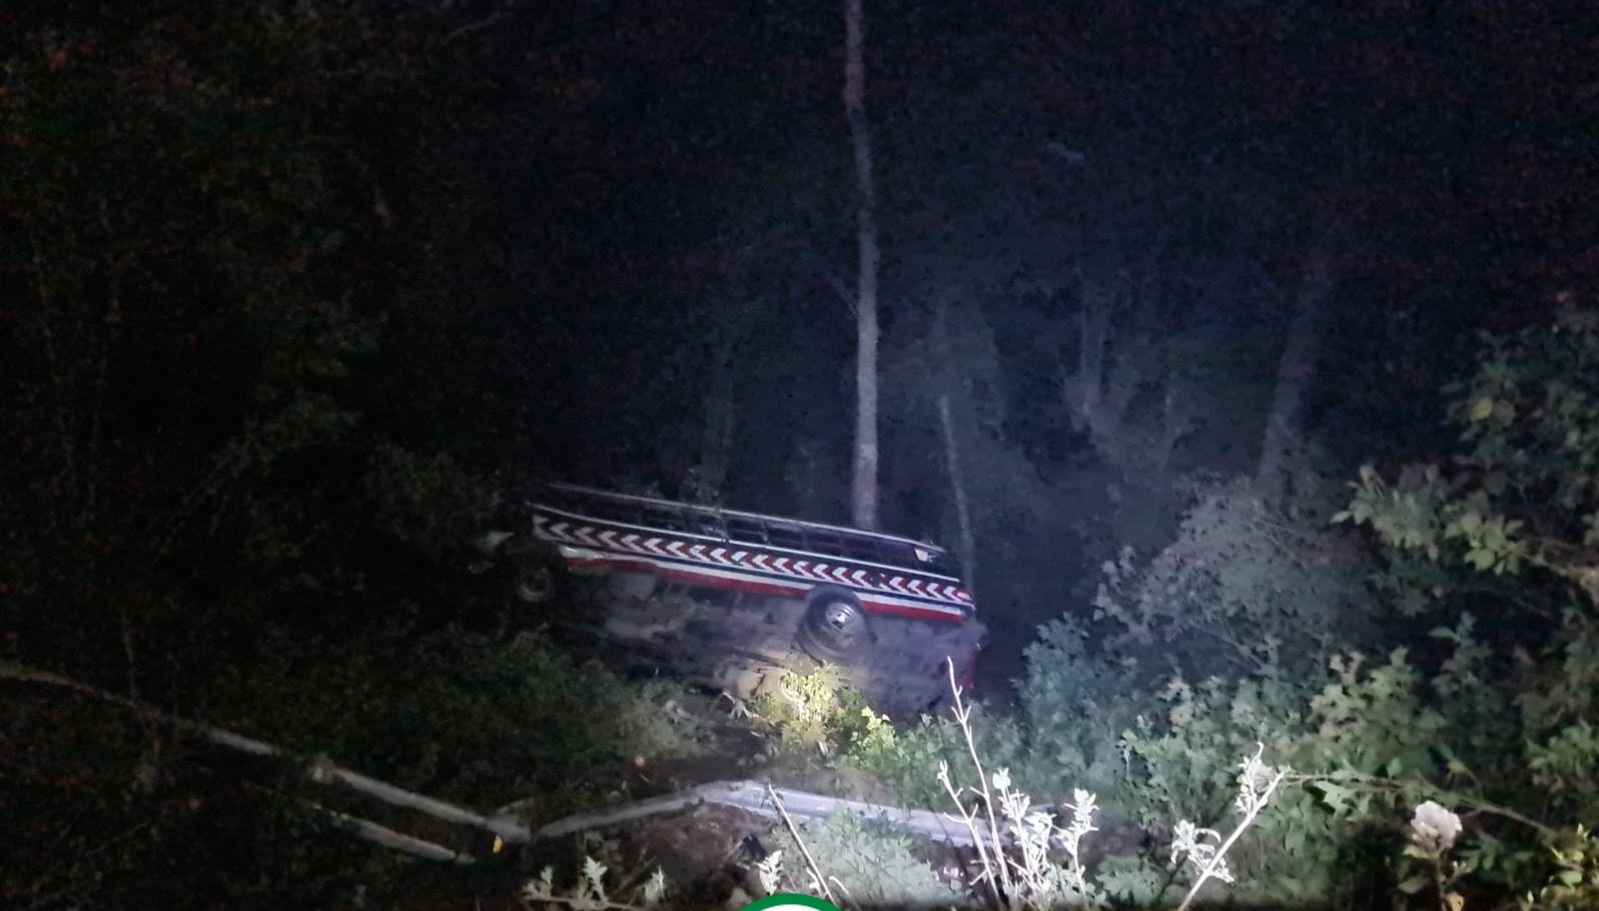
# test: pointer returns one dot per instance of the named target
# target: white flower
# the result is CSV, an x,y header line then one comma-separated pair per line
x,y
1434,828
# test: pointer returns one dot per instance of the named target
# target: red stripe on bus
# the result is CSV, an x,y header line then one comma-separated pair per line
x,y
868,603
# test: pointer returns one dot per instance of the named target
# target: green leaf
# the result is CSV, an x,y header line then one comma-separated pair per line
x,y
1294,840
1337,797
1414,884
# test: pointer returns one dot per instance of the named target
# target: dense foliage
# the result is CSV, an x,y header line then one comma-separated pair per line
x,y
233,387
219,238
1486,715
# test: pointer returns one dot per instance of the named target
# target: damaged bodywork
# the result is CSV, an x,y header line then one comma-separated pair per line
x,y
734,599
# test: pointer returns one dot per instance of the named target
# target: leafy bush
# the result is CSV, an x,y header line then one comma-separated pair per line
x,y
455,714
1075,705
1503,727
590,890
902,758
817,710
1026,859
874,866
1243,588
805,707
1526,488
1364,734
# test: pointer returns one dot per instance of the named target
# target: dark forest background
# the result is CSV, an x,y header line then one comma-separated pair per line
x,y
287,290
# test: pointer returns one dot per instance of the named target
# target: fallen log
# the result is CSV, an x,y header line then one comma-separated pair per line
x,y
315,768
756,797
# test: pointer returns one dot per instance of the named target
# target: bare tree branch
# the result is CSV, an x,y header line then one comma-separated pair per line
x,y
318,770
483,23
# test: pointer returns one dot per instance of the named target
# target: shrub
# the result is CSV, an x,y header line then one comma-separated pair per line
x,y
459,715
806,707
871,865
1245,587
902,758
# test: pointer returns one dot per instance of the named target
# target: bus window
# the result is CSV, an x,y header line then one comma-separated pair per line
x,y
865,549
826,543
746,530
785,536
943,563
664,518
705,523
612,510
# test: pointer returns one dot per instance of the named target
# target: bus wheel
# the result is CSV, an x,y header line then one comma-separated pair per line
x,y
540,571
835,628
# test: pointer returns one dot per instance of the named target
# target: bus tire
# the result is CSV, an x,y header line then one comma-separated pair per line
x,y
835,628
540,573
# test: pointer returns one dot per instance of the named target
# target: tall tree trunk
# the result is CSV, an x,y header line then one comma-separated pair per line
x,y
943,363
716,434
1094,318
957,484
719,412
1295,371
1124,306
863,491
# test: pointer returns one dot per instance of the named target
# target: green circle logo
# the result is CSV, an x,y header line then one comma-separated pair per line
x,y
790,901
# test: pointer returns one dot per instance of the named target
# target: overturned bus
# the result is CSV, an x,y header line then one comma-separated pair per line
x,y
733,600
